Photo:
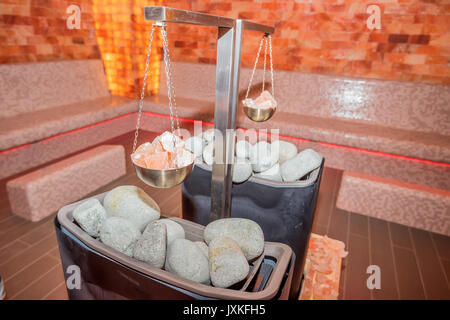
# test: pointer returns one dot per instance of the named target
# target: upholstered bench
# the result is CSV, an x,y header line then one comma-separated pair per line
x,y
407,119
408,204
40,100
38,194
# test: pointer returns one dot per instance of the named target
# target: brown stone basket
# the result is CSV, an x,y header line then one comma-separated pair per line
x,y
109,274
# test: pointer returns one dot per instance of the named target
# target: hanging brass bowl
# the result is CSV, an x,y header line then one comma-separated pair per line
x,y
166,178
259,115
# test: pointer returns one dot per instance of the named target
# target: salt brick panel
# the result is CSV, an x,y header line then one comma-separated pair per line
x,y
40,193
328,27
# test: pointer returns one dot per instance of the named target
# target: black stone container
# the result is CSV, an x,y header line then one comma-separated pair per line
x,y
285,211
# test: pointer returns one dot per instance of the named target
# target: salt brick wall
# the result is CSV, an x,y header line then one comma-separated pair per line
x,y
331,36
35,30
321,36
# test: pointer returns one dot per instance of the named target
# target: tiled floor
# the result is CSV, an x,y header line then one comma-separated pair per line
x,y
414,264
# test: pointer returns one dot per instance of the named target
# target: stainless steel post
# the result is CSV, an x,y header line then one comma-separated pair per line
x,y
227,86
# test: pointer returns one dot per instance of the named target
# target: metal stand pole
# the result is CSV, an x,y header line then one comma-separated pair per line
x,y
230,33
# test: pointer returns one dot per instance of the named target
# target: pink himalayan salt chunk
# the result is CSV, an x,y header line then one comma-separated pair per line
x,y
264,101
157,161
154,156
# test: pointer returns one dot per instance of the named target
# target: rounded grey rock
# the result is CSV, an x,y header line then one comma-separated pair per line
x,y
132,203
204,247
151,246
262,157
273,174
208,136
227,263
242,170
208,154
286,150
174,230
195,145
247,233
243,148
299,166
90,215
120,234
186,259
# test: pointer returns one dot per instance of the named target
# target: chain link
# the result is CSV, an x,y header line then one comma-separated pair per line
x,y
172,87
267,40
169,81
265,59
254,68
271,65
144,85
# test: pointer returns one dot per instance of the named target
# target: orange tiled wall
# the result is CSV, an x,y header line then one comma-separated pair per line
x,y
35,30
331,36
324,36
122,36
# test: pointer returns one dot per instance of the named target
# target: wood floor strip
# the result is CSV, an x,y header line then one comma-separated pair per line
x,y
357,262
12,250
442,244
43,286
410,284
27,257
325,197
380,247
59,293
400,235
359,225
30,274
430,268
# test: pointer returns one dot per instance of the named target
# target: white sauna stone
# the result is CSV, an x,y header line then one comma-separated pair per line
x,y
120,234
273,174
242,170
151,246
247,233
174,230
204,247
261,156
285,149
302,164
208,154
208,136
243,149
186,259
90,215
132,203
195,145
227,263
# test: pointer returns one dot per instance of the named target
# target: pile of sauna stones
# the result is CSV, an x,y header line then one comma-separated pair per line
x,y
128,222
278,161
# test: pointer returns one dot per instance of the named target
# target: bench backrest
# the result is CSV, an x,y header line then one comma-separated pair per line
x,y
404,105
26,87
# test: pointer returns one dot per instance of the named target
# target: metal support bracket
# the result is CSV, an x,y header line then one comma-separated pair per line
x,y
229,43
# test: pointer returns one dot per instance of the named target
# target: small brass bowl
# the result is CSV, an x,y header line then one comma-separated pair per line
x,y
259,115
166,178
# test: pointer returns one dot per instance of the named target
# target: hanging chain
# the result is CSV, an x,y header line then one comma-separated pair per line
x,y
254,68
169,81
271,65
141,101
265,59
267,40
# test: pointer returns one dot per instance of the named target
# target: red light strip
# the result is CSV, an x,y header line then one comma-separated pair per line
x,y
67,132
152,114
